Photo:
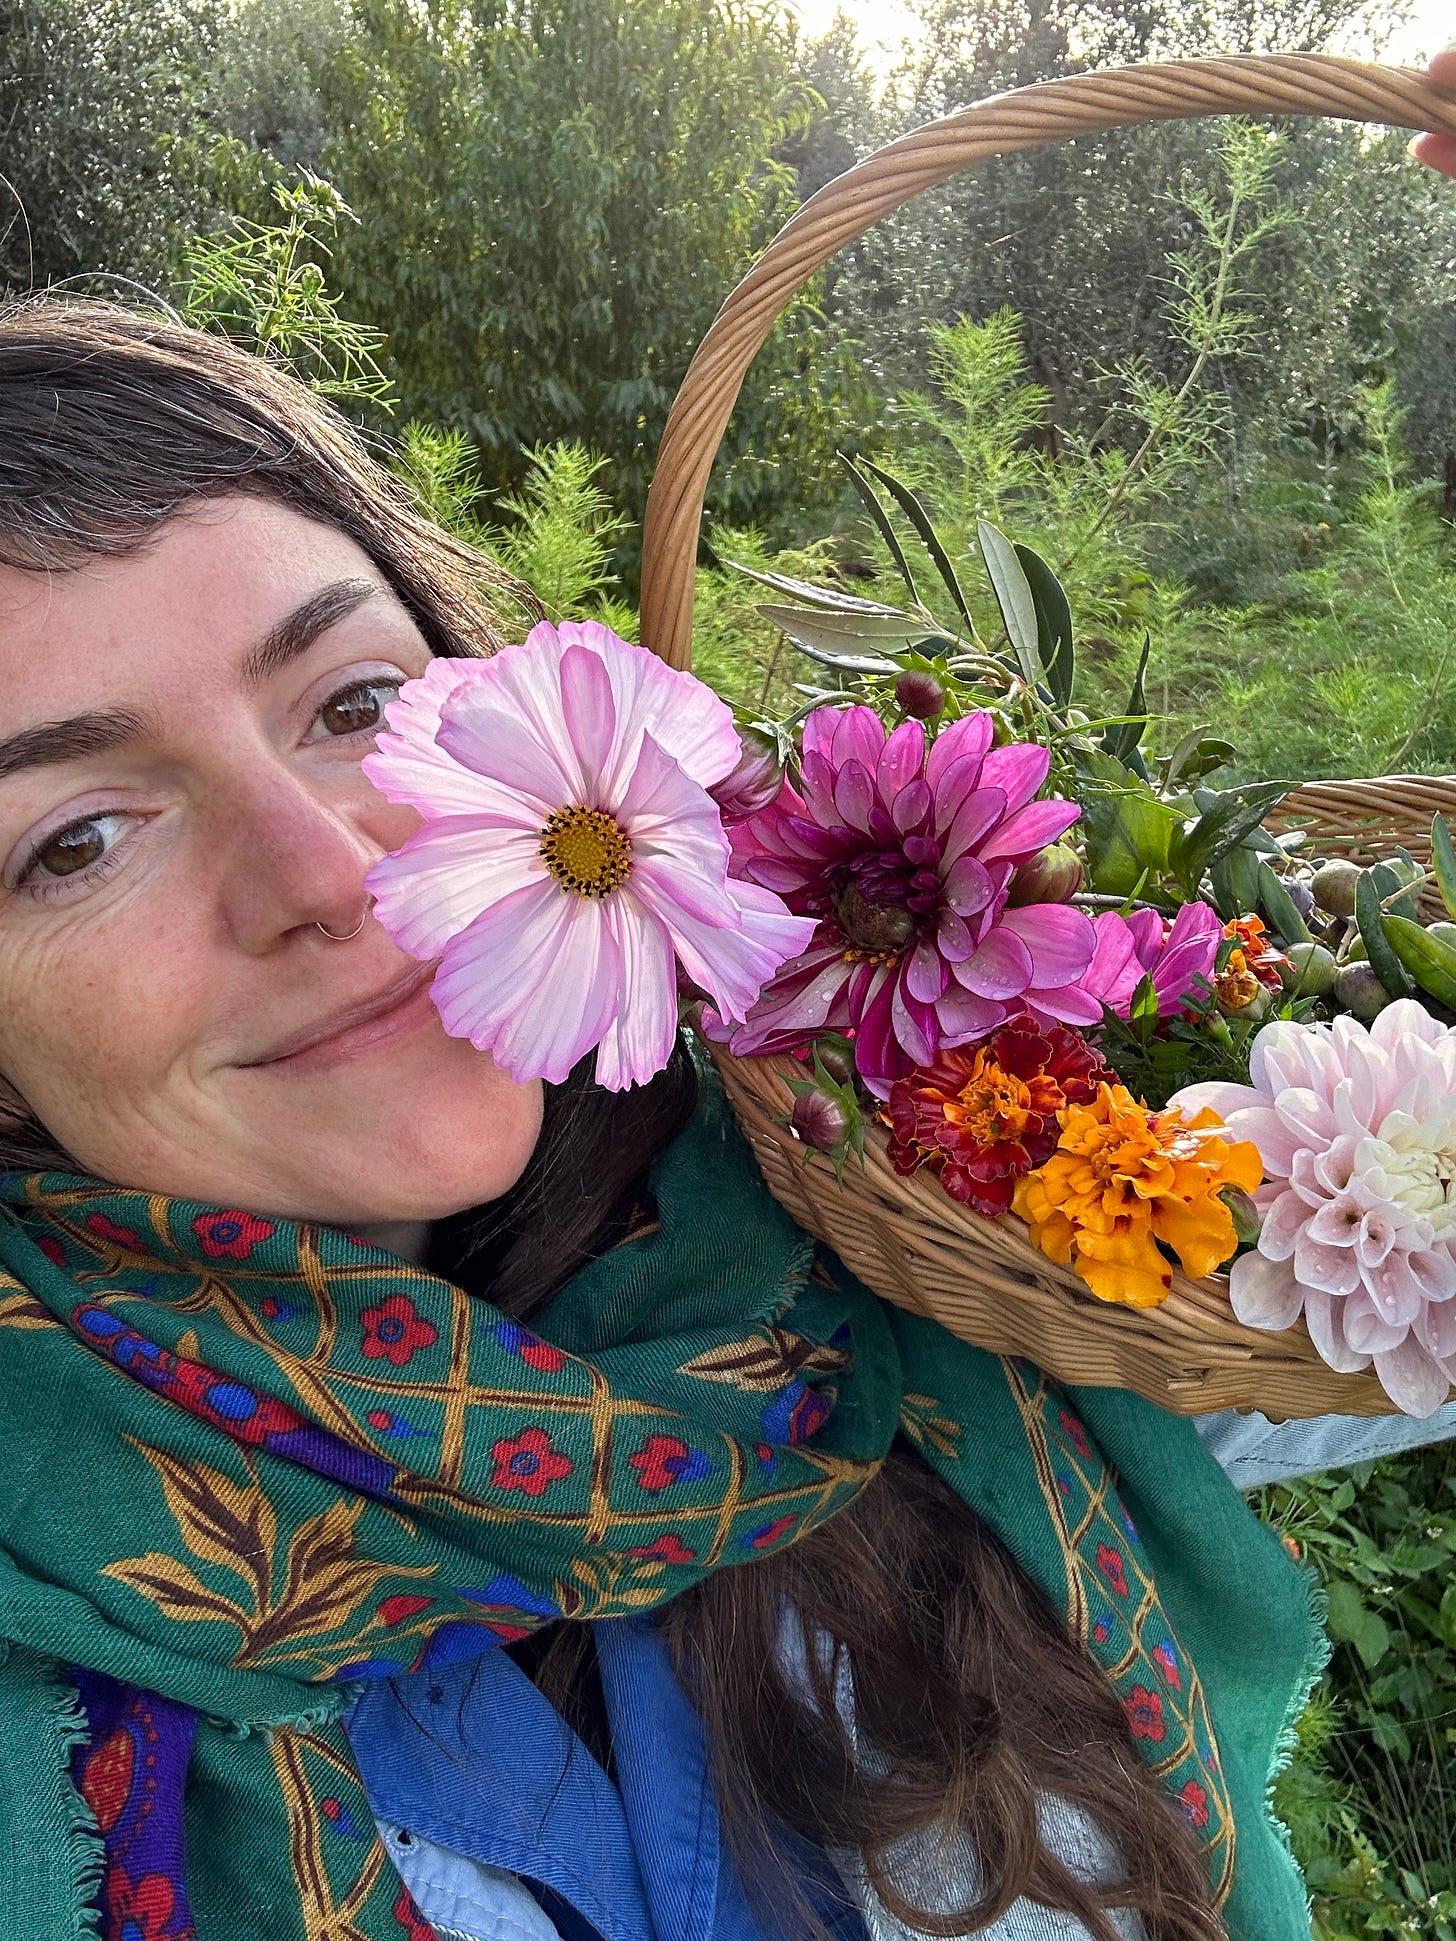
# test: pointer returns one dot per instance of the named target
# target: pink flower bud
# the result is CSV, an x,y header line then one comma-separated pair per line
x,y
1053,875
754,784
919,695
819,1121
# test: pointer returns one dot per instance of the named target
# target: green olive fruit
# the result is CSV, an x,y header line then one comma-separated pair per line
x,y
1361,992
1312,971
1333,887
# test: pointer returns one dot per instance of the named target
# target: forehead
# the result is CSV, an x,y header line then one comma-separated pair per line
x,y
203,590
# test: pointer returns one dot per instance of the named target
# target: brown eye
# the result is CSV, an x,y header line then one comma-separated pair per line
x,y
357,710
70,850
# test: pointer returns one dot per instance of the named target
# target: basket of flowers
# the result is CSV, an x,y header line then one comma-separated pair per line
x,y
1147,1077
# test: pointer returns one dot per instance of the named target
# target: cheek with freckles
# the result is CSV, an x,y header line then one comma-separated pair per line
x,y
97,1044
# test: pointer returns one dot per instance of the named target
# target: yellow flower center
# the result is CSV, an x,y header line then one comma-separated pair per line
x,y
586,851
992,1104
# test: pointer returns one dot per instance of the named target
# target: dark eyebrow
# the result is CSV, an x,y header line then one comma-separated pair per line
x,y
80,736
295,634
73,739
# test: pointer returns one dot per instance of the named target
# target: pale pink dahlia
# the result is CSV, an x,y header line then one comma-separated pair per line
x,y
571,856
903,857
1357,1132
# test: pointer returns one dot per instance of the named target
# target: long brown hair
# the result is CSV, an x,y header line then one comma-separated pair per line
x,y
974,1701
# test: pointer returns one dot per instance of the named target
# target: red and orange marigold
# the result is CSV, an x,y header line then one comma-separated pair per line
x,y
982,1118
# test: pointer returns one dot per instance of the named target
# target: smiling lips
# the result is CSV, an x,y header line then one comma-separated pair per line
x,y
359,1027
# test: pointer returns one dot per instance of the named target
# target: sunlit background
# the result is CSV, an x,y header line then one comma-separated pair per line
x,y
885,24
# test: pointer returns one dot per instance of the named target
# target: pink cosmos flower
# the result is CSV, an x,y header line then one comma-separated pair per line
x,y
571,856
1357,1131
903,858
1177,954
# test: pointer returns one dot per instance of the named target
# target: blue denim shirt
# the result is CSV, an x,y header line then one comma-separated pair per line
x,y
504,1827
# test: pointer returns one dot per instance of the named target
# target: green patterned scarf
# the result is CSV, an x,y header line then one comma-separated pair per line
x,y
249,1463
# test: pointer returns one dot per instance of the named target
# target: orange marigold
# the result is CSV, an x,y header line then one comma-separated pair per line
x,y
1124,1179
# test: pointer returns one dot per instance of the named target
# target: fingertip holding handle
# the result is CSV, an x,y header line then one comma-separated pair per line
x,y
1030,117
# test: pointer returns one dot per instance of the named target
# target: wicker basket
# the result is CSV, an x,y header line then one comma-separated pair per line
x,y
905,1237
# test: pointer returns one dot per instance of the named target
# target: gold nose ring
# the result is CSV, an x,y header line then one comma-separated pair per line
x,y
355,931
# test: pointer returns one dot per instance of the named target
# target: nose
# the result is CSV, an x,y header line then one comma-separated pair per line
x,y
292,857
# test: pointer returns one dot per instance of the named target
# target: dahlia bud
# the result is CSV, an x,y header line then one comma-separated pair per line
x,y
1244,1211
1052,875
820,1121
836,1059
754,784
919,695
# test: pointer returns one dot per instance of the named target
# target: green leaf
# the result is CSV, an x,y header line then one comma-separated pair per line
x,y
1353,1622
1278,906
1430,960
1126,828
1227,817
1053,624
828,637
882,524
1121,742
1443,862
1384,959
914,510
1013,596
804,592
1236,882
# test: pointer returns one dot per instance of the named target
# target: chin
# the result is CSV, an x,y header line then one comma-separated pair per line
x,y
393,1139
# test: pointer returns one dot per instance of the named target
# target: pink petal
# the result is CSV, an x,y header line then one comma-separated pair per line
x,y
980,811
1334,1270
1145,927
1064,1004
589,719
927,974
854,796
1001,968
504,749
1365,1331
1264,1293
1019,769
406,765
731,955
533,981
859,737
802,1001
964,740
877,1053
915,1025
968,888
1324,1317
1415,1382
957,784
639,1041
964,1018
1061,941
1307,1116
441,879
684,717
1284,1222
953,938
1030,829
911,808
902,760
1114,972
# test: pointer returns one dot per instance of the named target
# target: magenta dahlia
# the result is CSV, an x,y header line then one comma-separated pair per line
x,y
904,857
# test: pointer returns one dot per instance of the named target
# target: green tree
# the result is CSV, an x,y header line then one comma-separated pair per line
x,y
553,200
93,94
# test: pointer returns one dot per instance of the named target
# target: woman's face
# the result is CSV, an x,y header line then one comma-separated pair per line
x,y
165,861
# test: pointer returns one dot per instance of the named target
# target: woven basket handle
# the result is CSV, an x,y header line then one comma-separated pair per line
x,y
1048,111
